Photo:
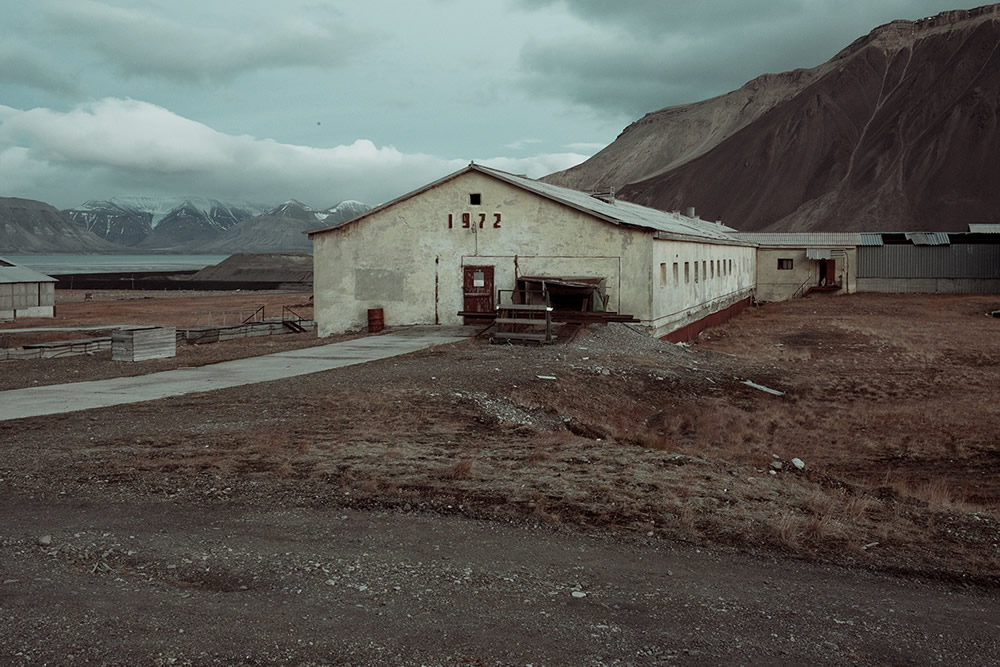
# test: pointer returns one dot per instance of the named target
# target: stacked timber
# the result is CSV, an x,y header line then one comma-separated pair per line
x,y
142,344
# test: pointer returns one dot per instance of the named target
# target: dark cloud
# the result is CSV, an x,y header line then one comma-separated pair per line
x,y
635,57
143,43
25,65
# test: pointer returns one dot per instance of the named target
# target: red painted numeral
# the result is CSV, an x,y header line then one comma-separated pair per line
x,y
465,220
496,221
450,225
482,219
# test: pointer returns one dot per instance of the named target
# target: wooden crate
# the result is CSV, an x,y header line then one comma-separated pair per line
x,y
143,344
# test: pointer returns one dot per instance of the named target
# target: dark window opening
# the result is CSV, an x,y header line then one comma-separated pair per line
x,y
784,265
475,199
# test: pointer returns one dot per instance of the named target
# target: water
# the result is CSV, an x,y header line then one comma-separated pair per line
x,y
55,265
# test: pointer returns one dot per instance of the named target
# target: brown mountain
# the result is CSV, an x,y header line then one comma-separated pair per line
x,y
899,131
29,226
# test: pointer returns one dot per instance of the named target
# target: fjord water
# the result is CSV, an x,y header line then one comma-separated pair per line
x,y
55,265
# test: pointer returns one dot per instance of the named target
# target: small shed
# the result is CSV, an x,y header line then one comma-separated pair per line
x,y
25,292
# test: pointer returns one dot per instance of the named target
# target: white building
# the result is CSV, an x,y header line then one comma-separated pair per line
x,y
463,244
25,292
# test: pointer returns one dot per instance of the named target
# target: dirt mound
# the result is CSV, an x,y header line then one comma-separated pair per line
x,y
282,267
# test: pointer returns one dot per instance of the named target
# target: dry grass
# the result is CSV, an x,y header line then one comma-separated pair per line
x,y
685,459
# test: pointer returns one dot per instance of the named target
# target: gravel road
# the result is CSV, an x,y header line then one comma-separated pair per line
x,y
174,583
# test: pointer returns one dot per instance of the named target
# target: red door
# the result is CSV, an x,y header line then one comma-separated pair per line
x,y
477,286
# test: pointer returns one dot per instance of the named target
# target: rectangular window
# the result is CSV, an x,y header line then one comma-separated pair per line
x,y
676,279
475,199
663,274
704,269
478,279
711,266
784,265
696,271
687,272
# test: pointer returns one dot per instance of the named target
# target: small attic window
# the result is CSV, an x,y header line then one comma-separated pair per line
x,y
475,199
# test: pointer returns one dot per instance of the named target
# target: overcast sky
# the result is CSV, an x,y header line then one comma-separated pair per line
x,y
325,100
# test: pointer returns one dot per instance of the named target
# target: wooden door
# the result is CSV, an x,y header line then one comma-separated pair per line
x,y
477,286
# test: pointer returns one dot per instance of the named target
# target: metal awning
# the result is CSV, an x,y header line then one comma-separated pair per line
x,y
819,253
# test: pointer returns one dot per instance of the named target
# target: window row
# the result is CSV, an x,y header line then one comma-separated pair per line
x,y
709,269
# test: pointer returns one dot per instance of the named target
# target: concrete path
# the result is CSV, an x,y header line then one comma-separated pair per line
x,y
60,398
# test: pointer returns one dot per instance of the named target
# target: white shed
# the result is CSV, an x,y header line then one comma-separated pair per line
x,y
25,292
462,245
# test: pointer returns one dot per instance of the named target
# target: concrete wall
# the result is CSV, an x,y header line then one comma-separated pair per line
x,y
26,300
407,261
691,281
774,284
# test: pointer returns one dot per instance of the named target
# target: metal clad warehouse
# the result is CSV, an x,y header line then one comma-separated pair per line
x,y
454,247
937,263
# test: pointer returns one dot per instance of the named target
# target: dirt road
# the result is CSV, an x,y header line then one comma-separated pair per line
x,y
179,582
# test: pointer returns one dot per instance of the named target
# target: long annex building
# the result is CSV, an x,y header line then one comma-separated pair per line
x,y
454,250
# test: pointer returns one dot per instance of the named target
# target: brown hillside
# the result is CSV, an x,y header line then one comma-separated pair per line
x,y
895,133
29,226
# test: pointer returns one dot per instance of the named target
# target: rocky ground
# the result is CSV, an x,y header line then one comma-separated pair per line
x,y
613,499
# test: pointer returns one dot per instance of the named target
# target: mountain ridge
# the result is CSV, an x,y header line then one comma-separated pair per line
x,y
895,132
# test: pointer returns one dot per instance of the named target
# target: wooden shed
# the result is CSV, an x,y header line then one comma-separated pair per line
x,y
25,292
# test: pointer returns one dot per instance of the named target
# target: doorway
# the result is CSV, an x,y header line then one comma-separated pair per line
x,y
477,289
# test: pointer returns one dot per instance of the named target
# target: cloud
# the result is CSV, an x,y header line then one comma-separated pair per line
x,y
521,144
25,65
636,57
143,43
122,146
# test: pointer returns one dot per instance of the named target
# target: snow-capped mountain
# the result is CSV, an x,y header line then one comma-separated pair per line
x,y
114,220
344,211
32,226
161,223
283,229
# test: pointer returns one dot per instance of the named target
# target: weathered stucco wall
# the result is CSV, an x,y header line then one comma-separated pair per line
x,y
774,284
408,261
693,280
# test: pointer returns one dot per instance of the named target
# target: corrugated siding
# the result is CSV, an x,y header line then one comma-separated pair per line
x,y
929,285
906,261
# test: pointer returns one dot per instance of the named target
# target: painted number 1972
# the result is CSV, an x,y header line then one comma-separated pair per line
x,y
468,222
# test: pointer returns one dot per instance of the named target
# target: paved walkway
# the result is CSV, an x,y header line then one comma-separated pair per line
x,y
61,398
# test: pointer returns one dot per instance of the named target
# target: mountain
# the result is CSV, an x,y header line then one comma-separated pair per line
x,y
897,132
283,229
196,222
114,220
29,226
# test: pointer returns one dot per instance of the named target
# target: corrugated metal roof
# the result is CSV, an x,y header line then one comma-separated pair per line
x,y
801,239
10,273
870,239
620,212
984,228
928,238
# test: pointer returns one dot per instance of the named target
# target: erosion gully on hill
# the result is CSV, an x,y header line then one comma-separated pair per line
x,y
889,402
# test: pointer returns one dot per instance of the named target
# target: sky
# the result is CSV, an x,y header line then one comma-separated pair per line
x,y
326,100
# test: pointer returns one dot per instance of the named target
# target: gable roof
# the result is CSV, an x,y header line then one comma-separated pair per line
x,y
616,212
11,273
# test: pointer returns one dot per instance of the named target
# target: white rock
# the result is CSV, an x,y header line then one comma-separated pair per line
x,y
45,540
579,594
798,464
